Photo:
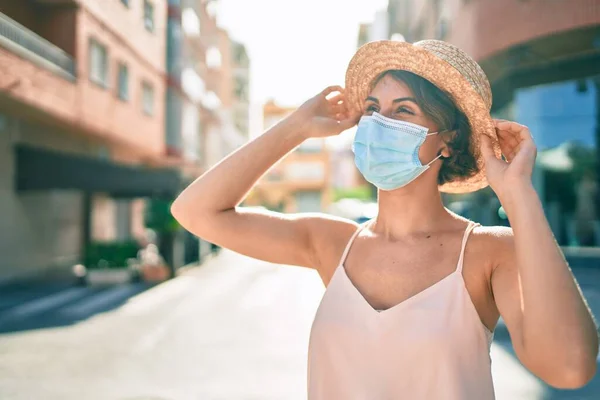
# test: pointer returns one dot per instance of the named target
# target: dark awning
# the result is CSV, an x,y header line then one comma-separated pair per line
x,y
41,169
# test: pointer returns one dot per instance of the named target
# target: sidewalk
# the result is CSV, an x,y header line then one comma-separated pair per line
x,y
233,328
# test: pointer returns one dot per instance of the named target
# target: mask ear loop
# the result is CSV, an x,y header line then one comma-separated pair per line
x,y
439,155
438,132
435,159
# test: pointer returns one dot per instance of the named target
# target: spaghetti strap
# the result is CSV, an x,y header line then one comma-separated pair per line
x,y
469,229
349,245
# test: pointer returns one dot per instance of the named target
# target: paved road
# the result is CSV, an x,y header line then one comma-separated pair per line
x,y
235,328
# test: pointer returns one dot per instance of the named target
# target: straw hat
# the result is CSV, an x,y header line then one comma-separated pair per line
x,y
448,68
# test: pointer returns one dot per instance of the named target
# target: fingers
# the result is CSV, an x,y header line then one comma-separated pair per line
x,y
338,98
512,138
337,103
508,137
349,120
508,143
339,109
517,130
330,89
507,147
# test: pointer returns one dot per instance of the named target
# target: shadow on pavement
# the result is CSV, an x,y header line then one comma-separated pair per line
x,y
38,305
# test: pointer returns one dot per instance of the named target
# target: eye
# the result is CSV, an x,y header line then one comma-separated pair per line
x,y
405,110
371,109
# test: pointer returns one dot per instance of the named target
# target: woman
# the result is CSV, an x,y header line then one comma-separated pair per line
x,y
410,308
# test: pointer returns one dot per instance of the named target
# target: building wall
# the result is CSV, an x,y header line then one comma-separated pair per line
x,y
218,105
82,105
226,76
127,25
213,145
38,231
138,226
25,14
477,29
190,131
43,106
56,25
542,60
475,25
241,82
27,84
300,182
102,111
43,231
103,218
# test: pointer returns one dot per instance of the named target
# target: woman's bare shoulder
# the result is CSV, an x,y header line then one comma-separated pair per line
x,y
329,236
494,243
493,236
330,229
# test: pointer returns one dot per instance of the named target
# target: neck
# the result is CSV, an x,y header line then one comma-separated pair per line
x,y
415,208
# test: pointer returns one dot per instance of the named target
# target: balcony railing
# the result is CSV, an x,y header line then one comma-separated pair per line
x,y
14,35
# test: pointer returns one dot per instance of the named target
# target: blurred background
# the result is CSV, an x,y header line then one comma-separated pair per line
x,y
109,108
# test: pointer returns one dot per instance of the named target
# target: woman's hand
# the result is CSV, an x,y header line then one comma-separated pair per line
x,y
324,116
519,152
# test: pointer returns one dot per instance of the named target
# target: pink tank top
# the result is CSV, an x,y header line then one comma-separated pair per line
x,y
431,346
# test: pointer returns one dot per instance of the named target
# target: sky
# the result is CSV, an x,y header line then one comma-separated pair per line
x,y
296,47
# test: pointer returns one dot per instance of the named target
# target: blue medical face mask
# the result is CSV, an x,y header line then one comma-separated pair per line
x,y
386,151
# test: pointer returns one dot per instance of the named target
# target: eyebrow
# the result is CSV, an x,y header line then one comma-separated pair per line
x,y
398,100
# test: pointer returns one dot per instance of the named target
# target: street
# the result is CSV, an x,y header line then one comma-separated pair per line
x,y
234,328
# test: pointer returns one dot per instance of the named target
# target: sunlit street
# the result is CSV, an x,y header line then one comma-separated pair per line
x,y
143,141
234,329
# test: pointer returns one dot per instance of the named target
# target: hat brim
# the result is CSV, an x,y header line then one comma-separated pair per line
x,y
374,58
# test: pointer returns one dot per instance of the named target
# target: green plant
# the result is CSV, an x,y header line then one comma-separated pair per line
x,y
110,254
361,193
158,216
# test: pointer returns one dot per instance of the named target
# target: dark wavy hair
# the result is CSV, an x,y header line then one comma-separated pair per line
x,y
438,106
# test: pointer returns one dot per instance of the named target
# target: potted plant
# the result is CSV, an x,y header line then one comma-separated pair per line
x,y
109,263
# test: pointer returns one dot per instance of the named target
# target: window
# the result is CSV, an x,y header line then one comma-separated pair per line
x,y
147,98
174,47
213,57
123,82
241,89
211,9
190,22
98,63
149,16
125,3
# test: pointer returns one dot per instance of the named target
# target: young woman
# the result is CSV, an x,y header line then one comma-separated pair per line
x,y
414,295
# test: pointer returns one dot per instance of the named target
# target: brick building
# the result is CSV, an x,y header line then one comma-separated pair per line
x,y
82,116
206,104
300,182
543,61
